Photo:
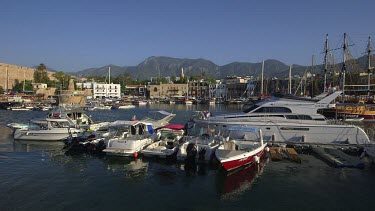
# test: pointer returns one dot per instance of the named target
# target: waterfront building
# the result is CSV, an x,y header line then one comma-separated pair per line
x,y
106,90
135,90
167,90
198,89
85,85
217,90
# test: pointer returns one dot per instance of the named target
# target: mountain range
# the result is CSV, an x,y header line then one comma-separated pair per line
x,y
167,66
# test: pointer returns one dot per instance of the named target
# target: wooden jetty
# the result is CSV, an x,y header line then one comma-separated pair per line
x,y
337,157
280,153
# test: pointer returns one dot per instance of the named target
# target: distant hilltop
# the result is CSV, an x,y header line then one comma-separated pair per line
x,y
10,73
168,66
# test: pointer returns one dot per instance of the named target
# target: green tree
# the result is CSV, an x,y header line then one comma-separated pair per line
x,y
40,74
62,79
1,90
18,86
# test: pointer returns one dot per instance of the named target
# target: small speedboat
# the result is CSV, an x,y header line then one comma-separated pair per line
x,y
89,144
168,144
244,146
131,137
201,147
126,106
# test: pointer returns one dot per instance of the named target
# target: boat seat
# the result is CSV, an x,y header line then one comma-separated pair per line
x,y
230,145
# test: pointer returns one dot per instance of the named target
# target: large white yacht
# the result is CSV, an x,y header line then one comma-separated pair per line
x,y
287,120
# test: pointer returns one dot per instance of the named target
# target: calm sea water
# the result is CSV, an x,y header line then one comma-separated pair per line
x,y
40,176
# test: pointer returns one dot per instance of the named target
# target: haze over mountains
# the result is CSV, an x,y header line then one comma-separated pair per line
x,y
168,66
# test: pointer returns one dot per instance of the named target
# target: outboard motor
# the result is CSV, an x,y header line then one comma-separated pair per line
x,y
191,152
202,154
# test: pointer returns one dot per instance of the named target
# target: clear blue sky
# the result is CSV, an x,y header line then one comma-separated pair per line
x,y
72,35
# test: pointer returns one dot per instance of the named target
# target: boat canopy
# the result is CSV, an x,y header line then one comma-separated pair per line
x,y
173,127
119,123
166,113
122,123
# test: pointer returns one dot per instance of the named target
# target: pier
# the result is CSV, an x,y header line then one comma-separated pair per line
x,y
337,157
280,153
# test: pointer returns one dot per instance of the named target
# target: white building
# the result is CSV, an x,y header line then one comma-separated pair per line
x,y
217,90
39,85
106,90
83,86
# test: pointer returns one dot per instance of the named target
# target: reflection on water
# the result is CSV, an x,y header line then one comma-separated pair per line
x,y
130,168
231,184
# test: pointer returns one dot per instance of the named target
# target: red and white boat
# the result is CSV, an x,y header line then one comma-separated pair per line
x,y
244,146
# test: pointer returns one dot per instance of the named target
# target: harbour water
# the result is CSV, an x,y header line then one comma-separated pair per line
x,y
39,176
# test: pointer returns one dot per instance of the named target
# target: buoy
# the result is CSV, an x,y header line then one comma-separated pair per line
x,y
256,159
135,154
362,155
267,149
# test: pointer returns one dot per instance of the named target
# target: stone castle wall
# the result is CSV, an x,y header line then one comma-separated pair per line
x,y
16,72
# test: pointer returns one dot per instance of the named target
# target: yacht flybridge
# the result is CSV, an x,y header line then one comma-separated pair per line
x,y
286,120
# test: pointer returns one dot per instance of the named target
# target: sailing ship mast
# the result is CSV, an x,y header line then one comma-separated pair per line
x,y
24,80
261,80
326,50
369,68
343,70
290,80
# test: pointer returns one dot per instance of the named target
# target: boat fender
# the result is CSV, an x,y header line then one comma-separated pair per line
x,y
135,154
191,151
267,149
256,159
363,154
202,154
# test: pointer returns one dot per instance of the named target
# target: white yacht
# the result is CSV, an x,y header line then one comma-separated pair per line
x,y
55,130
294,121
131,137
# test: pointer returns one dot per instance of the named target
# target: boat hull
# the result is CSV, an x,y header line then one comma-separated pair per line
x,y
43,135
246,158
300,133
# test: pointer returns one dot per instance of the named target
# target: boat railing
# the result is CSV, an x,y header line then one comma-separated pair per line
x,y
335,122
371,134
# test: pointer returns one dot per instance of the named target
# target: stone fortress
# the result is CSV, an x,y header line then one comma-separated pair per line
x,y
10,73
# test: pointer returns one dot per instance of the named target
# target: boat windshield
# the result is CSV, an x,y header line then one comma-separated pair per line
x,y
242,135
248,108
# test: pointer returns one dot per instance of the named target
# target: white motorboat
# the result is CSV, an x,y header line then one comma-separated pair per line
x,y
131,137
126,106
156,118
294,121
15,126
244,146
55,130
200,148
168,144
